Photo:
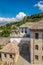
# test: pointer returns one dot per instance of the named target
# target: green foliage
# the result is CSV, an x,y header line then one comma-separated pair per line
x,y
8,27
0,47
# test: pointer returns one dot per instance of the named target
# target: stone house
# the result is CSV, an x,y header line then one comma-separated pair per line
x,y
36,41
9,54
4,40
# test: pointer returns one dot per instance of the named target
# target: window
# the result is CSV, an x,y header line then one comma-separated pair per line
x,y
5,55
8,41
36,57
22,30
42,57
36,47
10,56
0,55
36,35
42,47
25,30
42,35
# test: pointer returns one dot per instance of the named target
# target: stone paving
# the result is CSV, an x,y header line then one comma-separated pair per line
x,y
22,61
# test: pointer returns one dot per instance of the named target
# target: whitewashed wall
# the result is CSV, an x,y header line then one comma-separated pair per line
x,y
20,30
19,39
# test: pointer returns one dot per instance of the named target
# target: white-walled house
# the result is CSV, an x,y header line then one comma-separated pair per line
x,y
24,31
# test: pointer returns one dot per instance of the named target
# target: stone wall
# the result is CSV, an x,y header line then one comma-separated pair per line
x,y
34,51
9,60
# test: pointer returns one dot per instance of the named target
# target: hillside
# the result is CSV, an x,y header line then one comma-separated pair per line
x,y
5,30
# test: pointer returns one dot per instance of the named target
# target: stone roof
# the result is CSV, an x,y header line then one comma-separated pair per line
x,y
4,40
34,25
11,48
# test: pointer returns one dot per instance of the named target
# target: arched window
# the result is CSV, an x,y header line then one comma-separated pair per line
x,y
36,57
36,47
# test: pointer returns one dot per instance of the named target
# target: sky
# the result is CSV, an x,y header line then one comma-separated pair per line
x,y
15,10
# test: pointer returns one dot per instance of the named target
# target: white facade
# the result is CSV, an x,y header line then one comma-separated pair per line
x,y
19,39
24,30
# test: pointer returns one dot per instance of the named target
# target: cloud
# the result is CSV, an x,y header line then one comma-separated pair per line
x,y
6,19
18,17
40,5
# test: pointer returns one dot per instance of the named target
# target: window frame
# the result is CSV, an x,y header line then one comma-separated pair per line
x,y
5,55
42,47
25,30
36,35
22,30
0,55
42,57
10,55
36,47
36,57
42,35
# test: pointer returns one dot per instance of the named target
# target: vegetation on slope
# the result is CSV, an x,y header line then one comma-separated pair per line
x,y
6,29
